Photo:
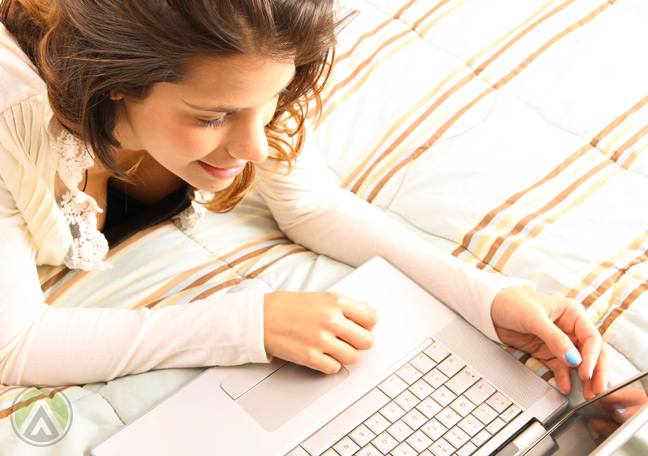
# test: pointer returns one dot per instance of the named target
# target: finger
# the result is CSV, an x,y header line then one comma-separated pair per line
x,y
600,377
342,352
603,427
561,374
360,312
322,362
601,372
354,335
591,343
557,341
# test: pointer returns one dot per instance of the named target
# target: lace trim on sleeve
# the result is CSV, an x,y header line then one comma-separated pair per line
x,y
89,246
189,218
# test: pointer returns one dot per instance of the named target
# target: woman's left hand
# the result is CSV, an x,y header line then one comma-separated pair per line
x,y
556,331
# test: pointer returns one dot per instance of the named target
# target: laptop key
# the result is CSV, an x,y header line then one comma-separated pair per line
x,y
414,419
462,381
443,396
399,430
384,442
435,378
457,437
369,450
423,362
429,407
451,365
392,411
362,435
466,450
436,352
510,413
419,441
377,423
392,386
499,402
346,447
326,436
409,373
479,392
433,429
403,450
421,389
407,400
441,448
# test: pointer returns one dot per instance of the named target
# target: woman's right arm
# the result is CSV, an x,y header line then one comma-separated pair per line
x,y
43,345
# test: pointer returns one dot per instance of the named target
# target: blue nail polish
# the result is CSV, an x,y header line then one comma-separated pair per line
x,y
621,410
573,357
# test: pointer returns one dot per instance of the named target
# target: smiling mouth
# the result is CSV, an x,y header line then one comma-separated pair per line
x,y
221,173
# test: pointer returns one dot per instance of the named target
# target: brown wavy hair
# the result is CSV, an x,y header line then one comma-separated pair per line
x,y
84,49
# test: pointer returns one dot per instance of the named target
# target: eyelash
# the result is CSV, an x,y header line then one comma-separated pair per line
x,y
214,123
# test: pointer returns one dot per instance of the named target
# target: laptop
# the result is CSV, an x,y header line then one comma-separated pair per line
x,y
431,385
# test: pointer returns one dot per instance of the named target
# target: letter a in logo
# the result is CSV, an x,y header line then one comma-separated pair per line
x,y
41,417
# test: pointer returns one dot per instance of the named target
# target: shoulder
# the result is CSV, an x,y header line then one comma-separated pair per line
x,y
18,76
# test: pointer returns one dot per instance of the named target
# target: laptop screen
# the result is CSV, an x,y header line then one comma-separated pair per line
x,y
601,424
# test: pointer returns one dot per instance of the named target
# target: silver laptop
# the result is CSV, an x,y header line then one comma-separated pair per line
x,y
430,385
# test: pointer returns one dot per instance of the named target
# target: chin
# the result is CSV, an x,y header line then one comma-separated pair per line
x,y
213,186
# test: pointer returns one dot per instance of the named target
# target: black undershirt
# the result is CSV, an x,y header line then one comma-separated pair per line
x,y
125,216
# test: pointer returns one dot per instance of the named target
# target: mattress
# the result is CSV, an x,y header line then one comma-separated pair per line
x,y
510,134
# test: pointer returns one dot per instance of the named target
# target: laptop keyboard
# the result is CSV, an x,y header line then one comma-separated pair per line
x,y
433,405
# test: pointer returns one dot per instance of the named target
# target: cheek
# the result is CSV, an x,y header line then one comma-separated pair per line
x,y
171,138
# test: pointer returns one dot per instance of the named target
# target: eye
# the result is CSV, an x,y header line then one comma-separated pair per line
x,y
212,123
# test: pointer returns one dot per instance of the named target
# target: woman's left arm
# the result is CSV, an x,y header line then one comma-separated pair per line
x,y
314,211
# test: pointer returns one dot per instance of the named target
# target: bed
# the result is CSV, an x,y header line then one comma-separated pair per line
x,y
510,134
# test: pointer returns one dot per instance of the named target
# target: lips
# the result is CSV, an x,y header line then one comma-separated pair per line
x,y
221,173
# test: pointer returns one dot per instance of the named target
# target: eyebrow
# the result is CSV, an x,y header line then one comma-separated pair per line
x,y
225,110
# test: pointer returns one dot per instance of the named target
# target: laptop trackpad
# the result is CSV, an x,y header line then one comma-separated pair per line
x,y
285,393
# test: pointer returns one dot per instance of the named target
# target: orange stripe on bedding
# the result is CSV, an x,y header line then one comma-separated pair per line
x,y
326,102
553,203
488,218
422,101
451,91
77,275
54,280
627,302
503,81
252,275
158,294
470,62
371,33
603,268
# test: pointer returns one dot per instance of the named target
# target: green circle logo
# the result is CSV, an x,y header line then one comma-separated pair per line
x,y
42,416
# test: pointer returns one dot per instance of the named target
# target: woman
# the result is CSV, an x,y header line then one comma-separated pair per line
x,y
170,97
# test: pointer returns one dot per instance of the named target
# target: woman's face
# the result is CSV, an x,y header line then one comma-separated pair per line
x,y
205,129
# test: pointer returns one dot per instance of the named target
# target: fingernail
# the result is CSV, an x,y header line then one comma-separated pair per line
x,y
573,357
621,410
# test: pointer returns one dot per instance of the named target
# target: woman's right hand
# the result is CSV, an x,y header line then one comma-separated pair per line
x,y
321,330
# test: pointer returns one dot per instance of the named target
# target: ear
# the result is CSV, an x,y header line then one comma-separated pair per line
x,y
114,95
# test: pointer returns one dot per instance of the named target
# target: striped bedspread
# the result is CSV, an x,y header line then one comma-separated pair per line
x,y
511,134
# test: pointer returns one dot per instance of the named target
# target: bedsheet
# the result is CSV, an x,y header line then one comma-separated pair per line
x,y
510,134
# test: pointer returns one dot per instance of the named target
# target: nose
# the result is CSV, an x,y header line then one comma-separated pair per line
x,y
248,140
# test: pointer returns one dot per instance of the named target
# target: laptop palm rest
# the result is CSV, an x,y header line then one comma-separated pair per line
x,y
281,395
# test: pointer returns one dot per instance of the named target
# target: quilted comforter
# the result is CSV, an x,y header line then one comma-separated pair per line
x,y
511,134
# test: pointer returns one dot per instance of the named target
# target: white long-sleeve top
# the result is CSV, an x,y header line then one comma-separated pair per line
x,y
313,210
40,345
